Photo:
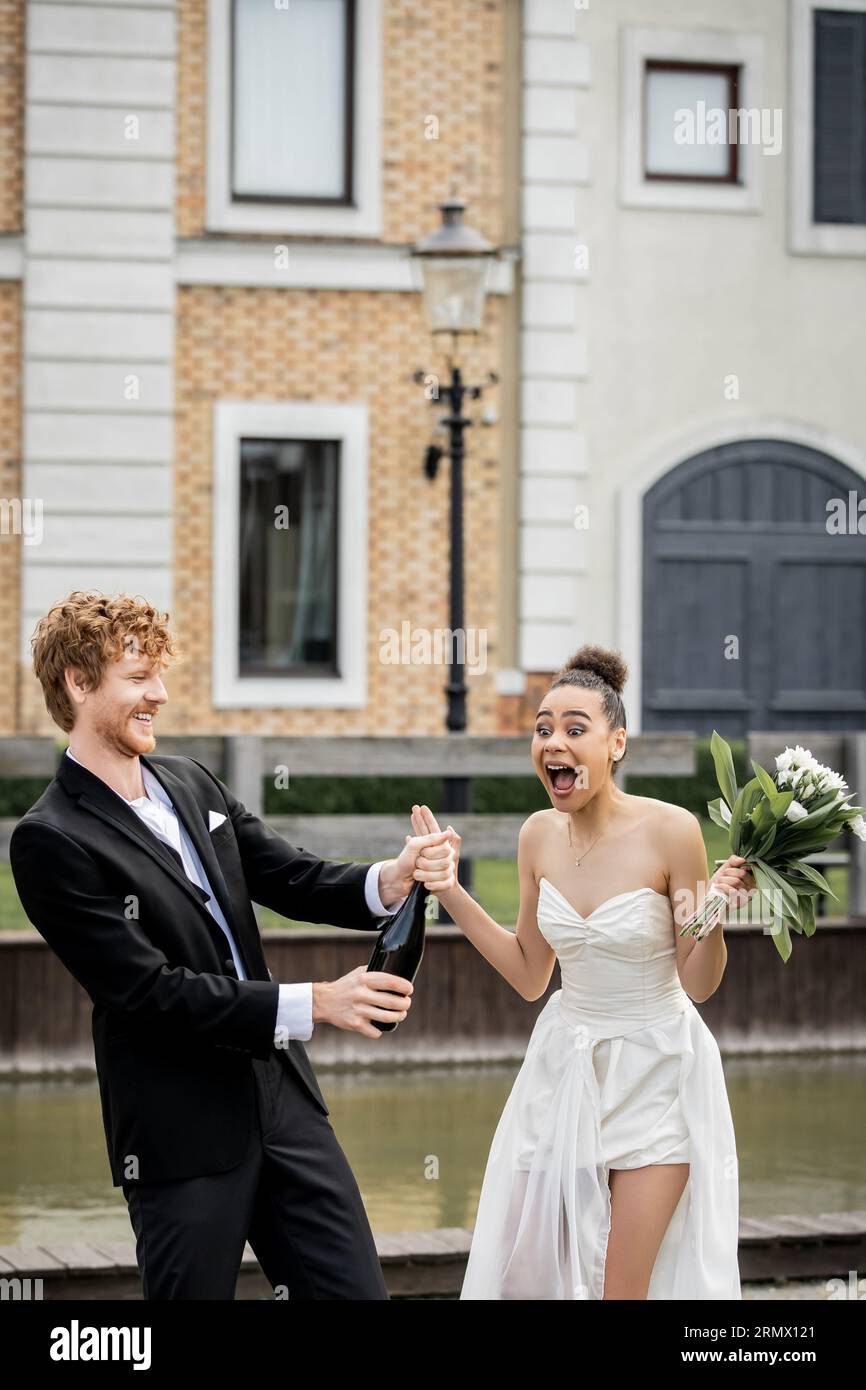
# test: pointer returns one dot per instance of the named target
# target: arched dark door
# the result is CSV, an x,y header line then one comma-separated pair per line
x,y
739,556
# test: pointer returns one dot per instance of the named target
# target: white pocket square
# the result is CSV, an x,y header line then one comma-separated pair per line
x,y
215,819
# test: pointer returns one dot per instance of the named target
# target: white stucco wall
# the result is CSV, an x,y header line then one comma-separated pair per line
x,y
674,302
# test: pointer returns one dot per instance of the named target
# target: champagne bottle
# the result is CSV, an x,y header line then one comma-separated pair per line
x,y
401,945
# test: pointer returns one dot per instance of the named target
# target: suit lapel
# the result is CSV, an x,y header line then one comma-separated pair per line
x,y
194,823
99,799
124,819
102,801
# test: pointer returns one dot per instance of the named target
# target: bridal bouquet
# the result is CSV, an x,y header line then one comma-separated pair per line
x,y
771,823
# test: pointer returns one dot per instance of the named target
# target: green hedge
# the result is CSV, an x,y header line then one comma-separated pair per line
x,y
17,794
693,792
395,795
490,795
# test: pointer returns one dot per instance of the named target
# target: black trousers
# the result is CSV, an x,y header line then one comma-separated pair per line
x,y
294,1198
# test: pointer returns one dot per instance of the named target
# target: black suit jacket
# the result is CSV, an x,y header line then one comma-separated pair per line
x,y
174,1030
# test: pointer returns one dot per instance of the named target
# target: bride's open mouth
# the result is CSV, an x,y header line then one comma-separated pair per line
x,y
562,778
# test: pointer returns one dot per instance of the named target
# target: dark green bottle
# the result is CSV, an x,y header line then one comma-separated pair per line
x,y
401,945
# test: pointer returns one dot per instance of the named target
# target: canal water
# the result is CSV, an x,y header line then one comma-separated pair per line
x,y
418,1141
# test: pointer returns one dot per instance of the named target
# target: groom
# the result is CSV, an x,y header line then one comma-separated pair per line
x,y
139,871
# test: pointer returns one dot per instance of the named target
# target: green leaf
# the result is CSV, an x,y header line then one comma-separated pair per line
x,y
762,878
814,876
804,889
805,912
830,798
741,809
762,817
724,763
813,820
770,891
765,845
809,918
809,842
765,780
819,816
780,803
782,940
789,894
778,800
715,813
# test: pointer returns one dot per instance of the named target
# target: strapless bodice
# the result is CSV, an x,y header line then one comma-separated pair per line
x,y
618,965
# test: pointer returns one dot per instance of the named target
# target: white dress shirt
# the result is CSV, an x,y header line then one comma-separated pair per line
x,y
295,1006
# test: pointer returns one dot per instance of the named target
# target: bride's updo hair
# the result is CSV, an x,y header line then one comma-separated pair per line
x,y
599,668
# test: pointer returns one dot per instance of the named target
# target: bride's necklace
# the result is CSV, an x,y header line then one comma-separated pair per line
x,y
586,851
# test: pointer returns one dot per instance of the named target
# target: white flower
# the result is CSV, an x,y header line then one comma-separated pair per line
x,y
858,825
795,811
817,781
800,770
785,763
830,781
834,779
801,756
795,757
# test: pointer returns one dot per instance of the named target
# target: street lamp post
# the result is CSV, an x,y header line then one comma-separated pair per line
x,y
454,269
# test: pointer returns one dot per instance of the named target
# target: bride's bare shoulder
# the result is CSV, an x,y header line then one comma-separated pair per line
x,y
663,824
533,833
664,812
532,845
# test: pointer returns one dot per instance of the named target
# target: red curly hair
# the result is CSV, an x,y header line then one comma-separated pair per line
x,y
87,630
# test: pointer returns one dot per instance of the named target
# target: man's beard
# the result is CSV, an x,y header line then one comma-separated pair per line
x,y
117,736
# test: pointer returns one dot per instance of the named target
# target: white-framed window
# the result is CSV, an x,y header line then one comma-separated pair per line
x,y
827,171
294,117
692,126
289,554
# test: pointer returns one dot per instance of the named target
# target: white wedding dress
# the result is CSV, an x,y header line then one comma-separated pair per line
x,y
620,1071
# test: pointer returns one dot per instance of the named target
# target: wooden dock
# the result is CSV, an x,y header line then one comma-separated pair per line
x,y
428,1264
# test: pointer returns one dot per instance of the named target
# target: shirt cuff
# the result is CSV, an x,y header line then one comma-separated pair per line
x,y
294,1014
371,892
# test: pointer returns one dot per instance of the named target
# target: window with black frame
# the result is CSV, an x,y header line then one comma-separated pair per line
x,y
839,150
288,556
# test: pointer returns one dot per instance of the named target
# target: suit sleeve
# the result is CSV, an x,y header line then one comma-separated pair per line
x,y
116,962
292,881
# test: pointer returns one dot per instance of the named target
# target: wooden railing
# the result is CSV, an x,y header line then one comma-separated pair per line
x,y
243,761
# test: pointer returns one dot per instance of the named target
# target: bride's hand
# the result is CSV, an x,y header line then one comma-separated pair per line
x,y
437,876
735,880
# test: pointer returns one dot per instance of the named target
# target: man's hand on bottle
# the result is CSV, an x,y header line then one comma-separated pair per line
x,y
353,1000
430,856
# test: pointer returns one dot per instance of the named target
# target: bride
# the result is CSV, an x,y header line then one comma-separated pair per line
x,y
613,1170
